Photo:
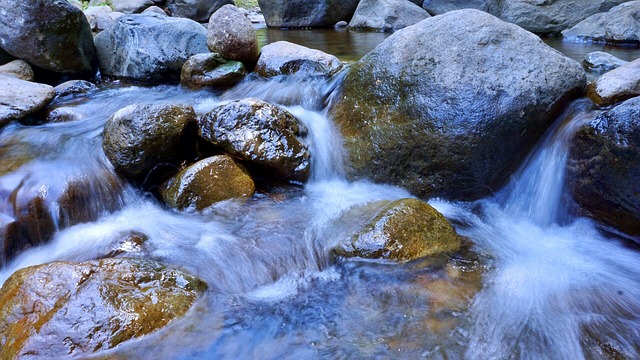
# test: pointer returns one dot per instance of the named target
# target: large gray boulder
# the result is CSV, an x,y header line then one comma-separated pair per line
x,y
451,106
20,98
285,58
386,15
617,85
50,34
437,7
141,137
231,34
604,167
620,25
260,134
198,10
306,13
149,47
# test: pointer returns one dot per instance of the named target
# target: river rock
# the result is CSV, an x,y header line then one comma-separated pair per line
x,y
386,15
616,85
65,309
620,25
260,134
210,69
74,87
63,114
126,6
604,167
207,182
155,9
285,58
457,110
306,13
51,34
401,230
437,7
140,137
549,16
231,34
198,10
99,17
18,68
19,98
149,47
600,61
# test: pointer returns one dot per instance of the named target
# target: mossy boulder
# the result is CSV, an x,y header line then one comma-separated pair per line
x,y
61,309
401,230
207,182
141,137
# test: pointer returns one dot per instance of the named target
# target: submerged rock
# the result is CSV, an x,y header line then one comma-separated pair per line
x,y
18,68
306,13
285,58
600,61
231,34
141,137
211,69
207,182
616,85
149,47
198,10
620,25
260,134
402,230
51,34
386,15
69,309
460,106
19,98
604,167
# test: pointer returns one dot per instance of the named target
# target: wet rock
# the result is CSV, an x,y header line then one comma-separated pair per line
x,y
74,87
51,34
19,98
616,85
260,134
18,68
437,7
198,10
386,15
231,34
127,6
207,182
140,137
69,309
620,25
128,244
401,230
13,154
285,58
604,166
451,120
63,114
210,69
599,61
306,13
149,47
155,9
341,24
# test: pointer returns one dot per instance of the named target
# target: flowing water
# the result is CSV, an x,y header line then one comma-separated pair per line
x,y
534,282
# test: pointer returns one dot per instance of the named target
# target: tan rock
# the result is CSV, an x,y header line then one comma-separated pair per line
x,y
617,85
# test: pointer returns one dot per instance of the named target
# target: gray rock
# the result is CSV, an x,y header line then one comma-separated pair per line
x,y
149,47
19,98
600,61
198,10
341,24
462,102
98,17
306,13
620,25
18,68
604,167
127,6
386,15
63,114
154,9
437,7
74,87
260,134
211,69
616,85
549,16
50,34
140,137
285,58
231,34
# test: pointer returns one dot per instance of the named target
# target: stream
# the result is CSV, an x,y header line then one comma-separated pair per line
x,y
534,281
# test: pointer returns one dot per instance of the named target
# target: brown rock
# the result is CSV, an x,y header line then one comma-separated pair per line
x,y
617,85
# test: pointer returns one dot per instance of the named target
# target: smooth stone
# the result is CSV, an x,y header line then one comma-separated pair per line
x,y
620,25
18,68
600,62
211,70
386,15
617,85
306,13
231,34
285,58
74,87
19,98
